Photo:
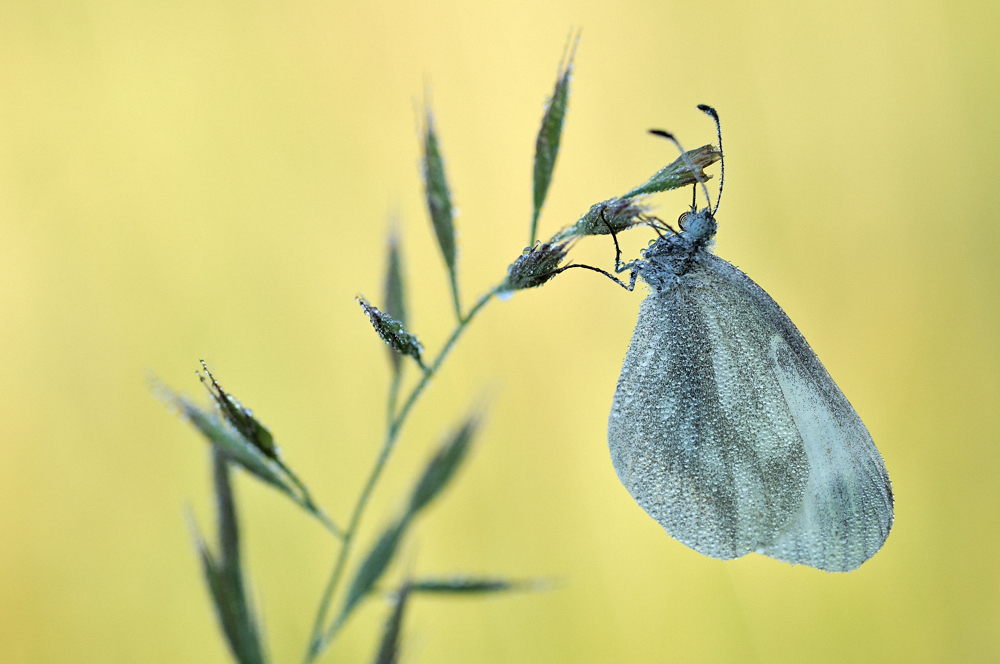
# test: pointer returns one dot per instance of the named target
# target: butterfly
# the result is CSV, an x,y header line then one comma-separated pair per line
x,y
725,426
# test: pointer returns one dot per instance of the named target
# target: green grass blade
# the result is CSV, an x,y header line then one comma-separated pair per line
x,y
224,574
439,202
237,449
373,567
388,652
393,332
547,142
535,266
443,465
225,511
677,174
467,585
394,290
230,611
614,214
240,417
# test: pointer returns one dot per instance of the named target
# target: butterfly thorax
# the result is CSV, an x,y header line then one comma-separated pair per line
x,y
671,256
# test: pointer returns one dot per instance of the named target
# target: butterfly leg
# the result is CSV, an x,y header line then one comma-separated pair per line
x,y
631,266
629,287
614,237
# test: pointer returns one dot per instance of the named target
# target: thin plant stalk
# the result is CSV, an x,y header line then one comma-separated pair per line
x,y
309,505
455,299
390,411
320,639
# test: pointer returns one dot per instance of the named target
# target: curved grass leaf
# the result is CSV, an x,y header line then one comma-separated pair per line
x,y
236,448
467,585
388,652
677,174
438,194
614,214
224,575
374,566
228,609
535,266
392,332
549,135
225,511
394,295
443,465
240,417
436,475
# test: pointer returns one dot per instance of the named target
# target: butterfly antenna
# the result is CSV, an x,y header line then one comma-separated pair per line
x,y
687,161
712,113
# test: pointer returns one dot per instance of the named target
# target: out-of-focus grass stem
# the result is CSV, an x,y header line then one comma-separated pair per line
x,y
320,639
393,398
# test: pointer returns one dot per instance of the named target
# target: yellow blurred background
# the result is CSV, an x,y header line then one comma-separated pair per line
x,y
212,180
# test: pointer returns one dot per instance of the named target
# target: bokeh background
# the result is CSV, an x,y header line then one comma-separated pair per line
x,y
212,180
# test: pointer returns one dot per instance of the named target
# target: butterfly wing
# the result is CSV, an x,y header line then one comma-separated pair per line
x,y
847,507
699,432
721,424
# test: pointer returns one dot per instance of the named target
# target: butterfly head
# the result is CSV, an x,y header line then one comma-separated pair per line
x,y
698,226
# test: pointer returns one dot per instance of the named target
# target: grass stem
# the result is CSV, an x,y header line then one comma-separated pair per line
x,y
319,639
454,297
